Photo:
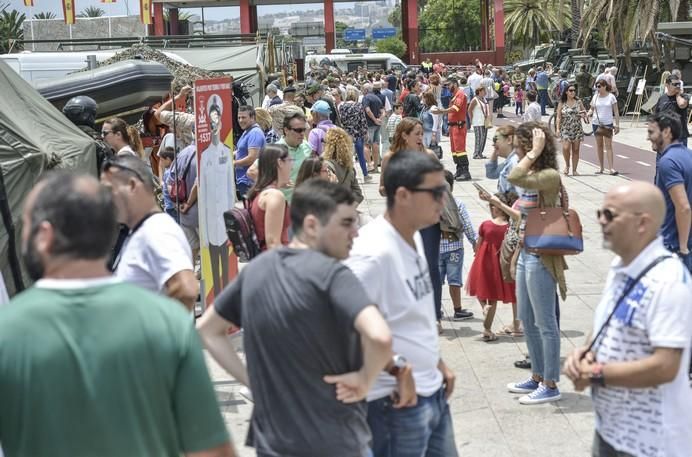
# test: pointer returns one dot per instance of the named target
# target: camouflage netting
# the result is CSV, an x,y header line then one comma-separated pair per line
x,y
183,74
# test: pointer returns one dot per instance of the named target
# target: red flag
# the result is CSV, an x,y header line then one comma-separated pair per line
x,y
145,11
68,11
28,2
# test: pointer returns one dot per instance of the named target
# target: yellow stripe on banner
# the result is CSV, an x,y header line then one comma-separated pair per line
x,y
68,11
28,2
145,11
107,1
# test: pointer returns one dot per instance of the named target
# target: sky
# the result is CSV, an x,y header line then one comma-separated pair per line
x,y
120,7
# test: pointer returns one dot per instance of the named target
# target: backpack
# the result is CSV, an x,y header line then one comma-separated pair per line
x,y
177,188
561,87
450,220
240,230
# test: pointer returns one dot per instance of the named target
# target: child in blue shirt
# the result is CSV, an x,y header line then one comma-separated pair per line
x,y
166,156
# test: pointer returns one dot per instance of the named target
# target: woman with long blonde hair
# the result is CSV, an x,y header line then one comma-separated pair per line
x,y
338,153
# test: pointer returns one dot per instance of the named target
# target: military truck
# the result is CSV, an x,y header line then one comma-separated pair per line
x,y
544,53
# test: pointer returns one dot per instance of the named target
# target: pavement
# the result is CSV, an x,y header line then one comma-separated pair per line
x,y
488,420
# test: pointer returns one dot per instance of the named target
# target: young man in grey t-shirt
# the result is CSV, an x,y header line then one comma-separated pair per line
x,y
308,325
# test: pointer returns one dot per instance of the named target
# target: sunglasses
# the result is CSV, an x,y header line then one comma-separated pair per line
x,y
300,130
609,215
115,163
571,90
104,133
437,193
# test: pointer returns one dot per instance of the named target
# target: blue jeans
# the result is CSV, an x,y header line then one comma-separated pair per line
x,y
431,244
360,152
536,300
173,213
543,100
427,138
424,430
445,124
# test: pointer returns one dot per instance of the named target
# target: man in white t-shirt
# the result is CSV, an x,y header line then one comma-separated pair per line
x,y
639,365
155,254
389,260
475,78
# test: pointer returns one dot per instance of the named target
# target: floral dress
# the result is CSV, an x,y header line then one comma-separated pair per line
x,y
570,123
353,120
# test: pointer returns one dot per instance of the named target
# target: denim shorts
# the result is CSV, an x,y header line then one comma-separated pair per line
x,y
451,266
595,127
373,134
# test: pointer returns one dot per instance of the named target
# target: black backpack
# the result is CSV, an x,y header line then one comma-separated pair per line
x,y
241,232
410,107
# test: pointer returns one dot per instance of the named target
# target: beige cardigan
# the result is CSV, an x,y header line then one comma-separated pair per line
x,y
547,183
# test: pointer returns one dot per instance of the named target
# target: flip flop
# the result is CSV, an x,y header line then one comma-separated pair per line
x,y
509,331
614,173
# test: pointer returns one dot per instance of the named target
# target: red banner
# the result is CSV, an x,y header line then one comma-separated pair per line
x,y
68,11
145,11
216,178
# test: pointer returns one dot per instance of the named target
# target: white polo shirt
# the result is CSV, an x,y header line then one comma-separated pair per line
x,y
397,280
656,421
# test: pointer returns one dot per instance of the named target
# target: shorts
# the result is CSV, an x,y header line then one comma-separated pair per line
x,y
595,127
451,265
192,235
374,134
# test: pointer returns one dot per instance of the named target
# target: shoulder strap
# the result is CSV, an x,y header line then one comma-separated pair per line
x,y
624,294
189,162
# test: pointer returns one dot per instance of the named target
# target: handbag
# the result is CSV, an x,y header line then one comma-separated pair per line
x,y
437,149
487,121
601,129
553,231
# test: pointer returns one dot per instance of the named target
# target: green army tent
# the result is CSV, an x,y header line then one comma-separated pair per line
x,y
34,139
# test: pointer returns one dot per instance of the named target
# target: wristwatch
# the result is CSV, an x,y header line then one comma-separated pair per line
x,y
397,364
597,377
531,155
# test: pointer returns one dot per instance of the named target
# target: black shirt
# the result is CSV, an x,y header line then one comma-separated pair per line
x,y
297,308
669,103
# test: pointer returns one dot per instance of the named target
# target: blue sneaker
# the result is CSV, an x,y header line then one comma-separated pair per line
x,y
543,394
525,387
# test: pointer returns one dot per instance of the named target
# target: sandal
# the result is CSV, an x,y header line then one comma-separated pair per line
x,y
599,172
511,331
489,336
566,172
614,173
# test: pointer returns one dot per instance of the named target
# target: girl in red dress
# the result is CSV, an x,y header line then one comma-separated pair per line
x,y
485,277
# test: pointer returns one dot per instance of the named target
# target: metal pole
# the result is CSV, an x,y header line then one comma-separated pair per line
x,y
31,24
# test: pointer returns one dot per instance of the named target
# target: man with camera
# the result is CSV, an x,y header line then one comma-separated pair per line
x,y
675,101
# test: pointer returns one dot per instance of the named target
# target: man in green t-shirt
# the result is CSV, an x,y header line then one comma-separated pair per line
x,y
91,366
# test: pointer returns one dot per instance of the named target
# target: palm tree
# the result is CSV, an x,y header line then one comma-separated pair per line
x,y
92,11
11,29
623,22
45,15
529,22
576,6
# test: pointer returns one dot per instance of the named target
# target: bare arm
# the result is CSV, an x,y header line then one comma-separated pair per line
x,y
184,287
682,101
225,450
213,330
274,209
248,160
683,214
184,92
558,116
616,115
383,165
253,171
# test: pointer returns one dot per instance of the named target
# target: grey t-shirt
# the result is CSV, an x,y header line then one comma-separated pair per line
x,y
187,155
297,309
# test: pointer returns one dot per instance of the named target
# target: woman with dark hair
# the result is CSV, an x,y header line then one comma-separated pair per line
x,y
116,133
267,204
569,111
538,276
429,116
314,167
606,123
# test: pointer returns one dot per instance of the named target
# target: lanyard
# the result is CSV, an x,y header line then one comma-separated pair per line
x,y
120,244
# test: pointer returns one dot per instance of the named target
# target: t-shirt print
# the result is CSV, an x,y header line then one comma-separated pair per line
x,y
420,285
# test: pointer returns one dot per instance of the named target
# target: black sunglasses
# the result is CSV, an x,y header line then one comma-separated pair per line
x,y
300,130
115,163
104,133
571,90
609,215
437,192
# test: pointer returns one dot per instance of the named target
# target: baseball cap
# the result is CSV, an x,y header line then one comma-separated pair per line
x,y
321,107
289,89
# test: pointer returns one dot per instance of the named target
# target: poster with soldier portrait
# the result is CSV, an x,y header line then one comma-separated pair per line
x,y
216,182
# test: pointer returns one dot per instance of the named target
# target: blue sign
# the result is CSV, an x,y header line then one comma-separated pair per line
x,y
354,34
385,32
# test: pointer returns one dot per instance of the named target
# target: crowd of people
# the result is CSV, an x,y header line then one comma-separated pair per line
x,y
340,318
